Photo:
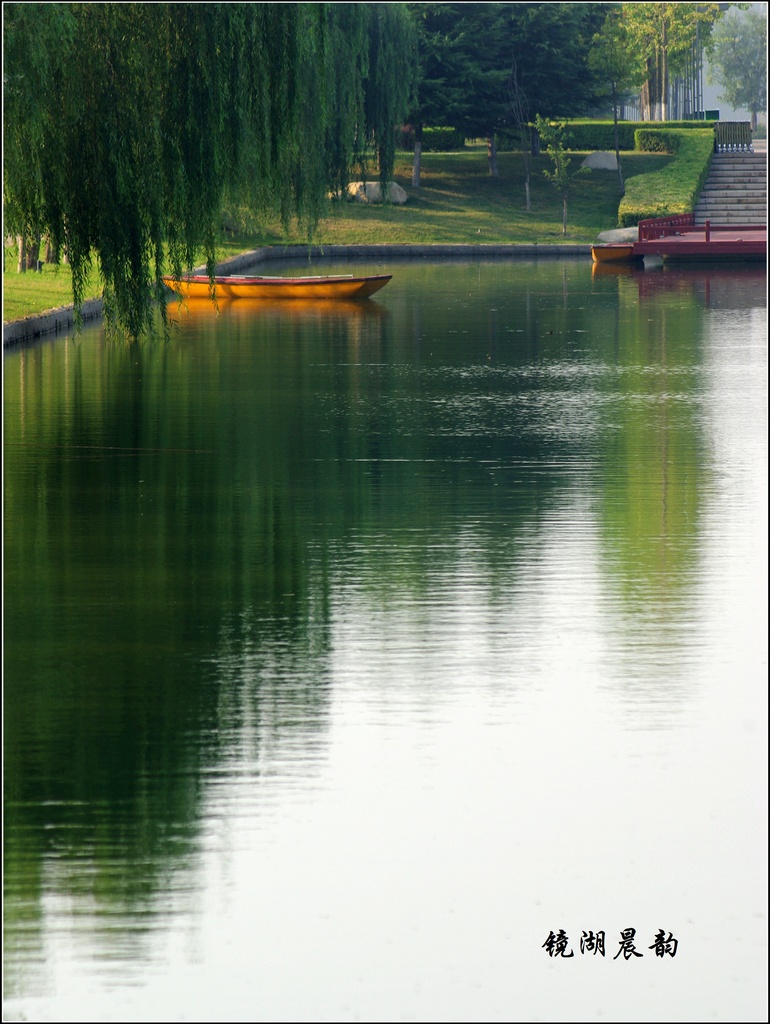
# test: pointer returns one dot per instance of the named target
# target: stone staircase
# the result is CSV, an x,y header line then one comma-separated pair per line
x,y
735,191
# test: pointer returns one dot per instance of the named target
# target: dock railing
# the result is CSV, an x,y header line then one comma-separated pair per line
x,y
659,227
684,224
732,137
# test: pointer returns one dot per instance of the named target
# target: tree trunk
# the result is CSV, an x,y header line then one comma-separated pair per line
x,y
33,254
526,149
617,142
644,101
492,155
50,252
653,91
564,213
417,165
664,76
22,265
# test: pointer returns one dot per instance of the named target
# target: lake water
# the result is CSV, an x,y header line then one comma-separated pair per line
x,y
354,652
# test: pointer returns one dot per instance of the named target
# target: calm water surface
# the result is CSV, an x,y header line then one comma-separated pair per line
x,y
351,651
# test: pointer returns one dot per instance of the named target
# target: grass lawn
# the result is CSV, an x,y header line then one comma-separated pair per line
x,y
28,293
459,201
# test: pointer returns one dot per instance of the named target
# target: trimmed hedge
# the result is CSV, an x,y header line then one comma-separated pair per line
x,y
657,140
434,140
593,135
675,188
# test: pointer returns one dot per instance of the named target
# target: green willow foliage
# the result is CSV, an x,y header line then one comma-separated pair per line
x,y
127,126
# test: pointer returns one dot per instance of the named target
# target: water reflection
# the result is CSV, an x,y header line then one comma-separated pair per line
x,y
729,285
270,582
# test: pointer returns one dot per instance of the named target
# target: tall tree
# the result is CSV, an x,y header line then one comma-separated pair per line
x,y
438,97
551,43
463,68
126,125
739,60
662,36
467,52
611,62
483,38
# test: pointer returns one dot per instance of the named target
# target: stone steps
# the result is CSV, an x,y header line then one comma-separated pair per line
x,y
729,177
735,191
730,199
745,190
715,178
744,217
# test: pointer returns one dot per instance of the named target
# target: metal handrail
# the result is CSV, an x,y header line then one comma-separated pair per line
x,y
733,137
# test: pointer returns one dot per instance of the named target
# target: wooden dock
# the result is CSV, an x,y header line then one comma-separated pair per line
x,y
679,238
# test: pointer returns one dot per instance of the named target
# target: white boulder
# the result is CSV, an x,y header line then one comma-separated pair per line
x,y
601,161
619,235
371,192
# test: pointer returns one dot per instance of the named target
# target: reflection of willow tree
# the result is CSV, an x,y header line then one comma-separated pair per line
x,y
132,558
654,463
170,545
166,588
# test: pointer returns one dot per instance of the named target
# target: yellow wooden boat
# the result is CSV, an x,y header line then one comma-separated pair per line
x,y
346,286
297,309
613,252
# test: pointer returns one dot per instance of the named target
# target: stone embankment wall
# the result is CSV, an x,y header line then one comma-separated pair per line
x,y
18,332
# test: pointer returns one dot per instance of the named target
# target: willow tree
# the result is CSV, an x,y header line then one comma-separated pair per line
x,y
126,126
392,78
34,37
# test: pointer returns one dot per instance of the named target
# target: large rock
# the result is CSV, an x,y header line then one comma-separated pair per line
x,y
619,235
601,161
371,192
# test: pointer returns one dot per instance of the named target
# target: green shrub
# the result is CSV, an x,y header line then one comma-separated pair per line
x,y
508,141
587,136
676,187
657,140
434,140
592,135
